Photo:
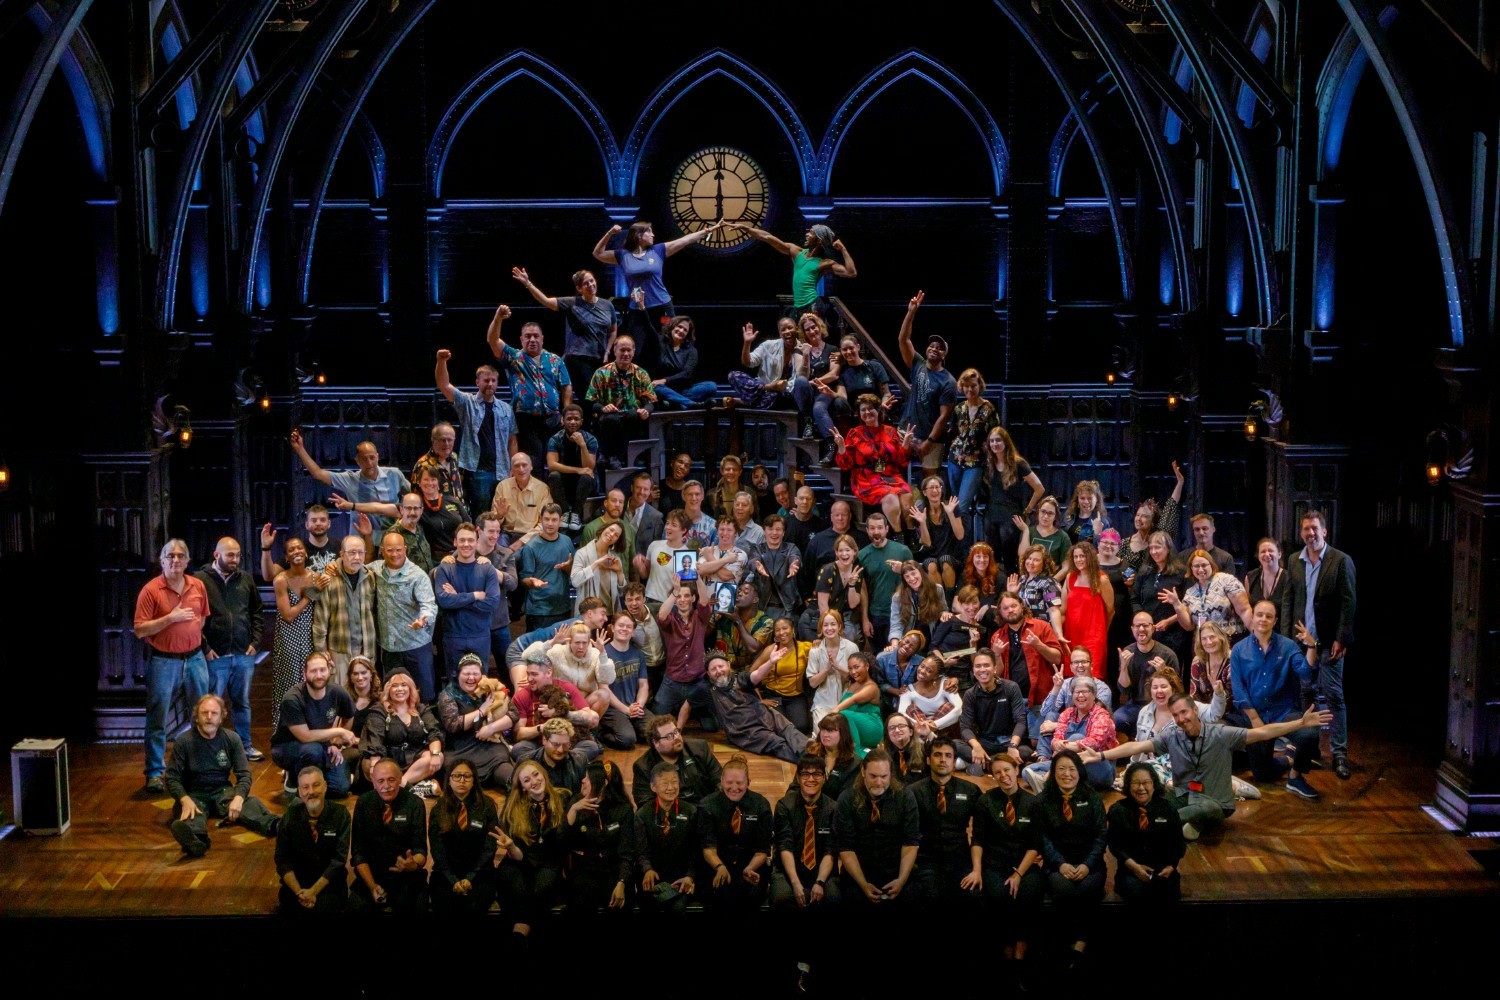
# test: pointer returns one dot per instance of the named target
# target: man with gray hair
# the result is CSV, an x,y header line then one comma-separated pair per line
x,y
344,616
197,777
169,616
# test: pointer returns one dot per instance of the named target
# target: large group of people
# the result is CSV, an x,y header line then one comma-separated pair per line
x,y
488,624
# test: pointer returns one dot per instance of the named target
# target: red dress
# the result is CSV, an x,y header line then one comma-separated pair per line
x,y
1086,623
876,461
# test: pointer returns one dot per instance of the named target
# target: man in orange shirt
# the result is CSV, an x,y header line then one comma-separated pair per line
x,y
169,615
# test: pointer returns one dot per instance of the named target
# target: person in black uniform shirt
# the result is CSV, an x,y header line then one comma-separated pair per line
x,y
876,830
994,713
463,852
312,850
403,730
735,827
1071,819
1145,836
1007,856
697,769
905,747
563,762
197,776
390,845
314,728
944,805
601,843
668,846
532,836
803,832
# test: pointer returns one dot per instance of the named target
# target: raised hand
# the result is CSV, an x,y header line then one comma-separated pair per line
x,y
915,302
838,245
519,273
951,505
1013,583
1177,471
267,535
838,439
362,525
1169,595
340,502
749,332
1019,522
502,312
444,354
295,438
794,568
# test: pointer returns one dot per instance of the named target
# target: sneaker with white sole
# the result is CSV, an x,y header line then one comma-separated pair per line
x,y
425,789
253,755
1299,786
1189,832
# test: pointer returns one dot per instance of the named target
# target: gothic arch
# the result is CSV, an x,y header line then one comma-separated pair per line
x,y
498,74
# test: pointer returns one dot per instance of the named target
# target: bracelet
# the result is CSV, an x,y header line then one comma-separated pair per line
x,y
821,882
722,865
265,548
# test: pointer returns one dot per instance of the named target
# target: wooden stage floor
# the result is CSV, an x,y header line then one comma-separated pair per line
x,y
1367,839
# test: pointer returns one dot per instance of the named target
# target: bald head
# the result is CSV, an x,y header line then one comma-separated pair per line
x,y
227,556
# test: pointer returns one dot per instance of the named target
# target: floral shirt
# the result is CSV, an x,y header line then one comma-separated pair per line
x,y
1098,728
970,432
1214,603
876,460
630,391
535,383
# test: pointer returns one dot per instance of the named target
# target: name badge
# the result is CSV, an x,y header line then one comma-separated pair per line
x,y
961,797
400,819
1024,819
1159,820
612,827
752,819
825,831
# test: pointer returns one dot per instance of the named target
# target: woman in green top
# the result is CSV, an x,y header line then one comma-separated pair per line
x,y
809,263
861,705
1046,533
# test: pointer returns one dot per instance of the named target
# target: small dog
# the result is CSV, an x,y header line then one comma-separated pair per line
x,y
489,686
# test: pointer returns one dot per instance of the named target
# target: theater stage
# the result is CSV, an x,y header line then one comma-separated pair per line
x,y
1368,840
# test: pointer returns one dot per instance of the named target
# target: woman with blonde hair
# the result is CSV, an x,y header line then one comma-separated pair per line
x,y
1210,670
828,665
532,847
1087,517
841,587
407,732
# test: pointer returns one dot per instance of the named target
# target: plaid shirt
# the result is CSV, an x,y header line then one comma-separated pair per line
x,y
332,630
1099,728
631,391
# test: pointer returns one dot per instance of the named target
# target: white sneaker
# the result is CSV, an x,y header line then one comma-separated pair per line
x,y
425,789
1243,789
1189,832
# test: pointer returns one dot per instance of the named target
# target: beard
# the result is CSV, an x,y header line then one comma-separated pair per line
x,y
721,682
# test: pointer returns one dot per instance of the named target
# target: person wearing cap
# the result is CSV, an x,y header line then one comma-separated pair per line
x,y
471,734
933,393
811,262
389,848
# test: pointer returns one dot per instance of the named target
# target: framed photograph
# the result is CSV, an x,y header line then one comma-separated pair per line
x,y
724,594
686,563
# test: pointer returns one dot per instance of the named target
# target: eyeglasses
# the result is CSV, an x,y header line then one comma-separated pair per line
x,y
460,777
666,736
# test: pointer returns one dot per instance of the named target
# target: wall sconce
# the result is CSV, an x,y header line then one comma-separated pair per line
x,y
1109,377
176,429
1172,400
265,401
182,419
320,377
4,476
1252,421
1448,453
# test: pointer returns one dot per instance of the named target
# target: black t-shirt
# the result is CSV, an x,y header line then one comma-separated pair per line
x,y
867,377
830,582
439,526
1006,501
1019,672
299,708
319,556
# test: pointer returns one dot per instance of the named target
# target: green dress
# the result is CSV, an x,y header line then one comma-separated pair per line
x,y
866,726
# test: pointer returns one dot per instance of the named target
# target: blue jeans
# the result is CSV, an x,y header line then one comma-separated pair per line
x,y
499,643
695,395
672,694
1126,716
165,676
483,491
231,679
418,663
966,483
1331,693
293,757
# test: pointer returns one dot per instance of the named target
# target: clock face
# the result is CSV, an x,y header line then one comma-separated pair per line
x,y
716,183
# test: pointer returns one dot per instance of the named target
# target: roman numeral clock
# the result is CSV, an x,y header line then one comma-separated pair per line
x,y
718,183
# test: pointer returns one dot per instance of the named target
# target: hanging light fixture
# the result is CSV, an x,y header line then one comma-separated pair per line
x,y
1172,400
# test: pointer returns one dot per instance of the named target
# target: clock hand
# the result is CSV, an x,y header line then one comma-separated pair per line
x,y
719,195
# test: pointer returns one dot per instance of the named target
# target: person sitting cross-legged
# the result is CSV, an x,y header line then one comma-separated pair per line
x,y
197,776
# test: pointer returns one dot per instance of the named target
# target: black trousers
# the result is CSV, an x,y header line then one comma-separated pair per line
x,y
532,433
936,884
527,891
1076,902
1020,912
477,901
1157,892
405,893
571,491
